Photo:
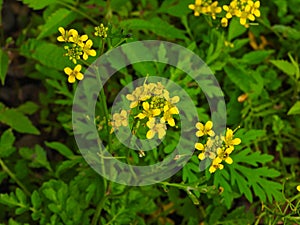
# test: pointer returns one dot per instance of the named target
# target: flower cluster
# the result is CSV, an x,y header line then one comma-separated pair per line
x,y
152,105
243,9
206,7
79,46
101,31
217,147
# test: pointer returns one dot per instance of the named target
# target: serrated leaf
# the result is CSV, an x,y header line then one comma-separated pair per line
x,y
38,4
155,25
9,200
50,194
295,109
285,66
60,18
36,200
46,53
3,65
6,143
21,196
39,158
61,148
28,108
17,121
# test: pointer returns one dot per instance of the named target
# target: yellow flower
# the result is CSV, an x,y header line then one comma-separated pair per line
x,y
74,73
154,128
214,9
224,155
120,119
197,7
205,129
298,188
147,112
87,50
253,8
231,10
65,35
76,38
216,164
168,115
224,22
229,140
135,97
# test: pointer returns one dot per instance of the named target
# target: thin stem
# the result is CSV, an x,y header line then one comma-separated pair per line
x,y
79,12
13,176
98,210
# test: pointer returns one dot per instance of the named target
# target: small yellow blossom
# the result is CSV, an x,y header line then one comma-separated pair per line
x,y
74,74
76,38
65,35
198,8
120,119
224,154
216,164
155,128
205,129
87,50
224,22
147,112
214,9
298,188
229,140
168,115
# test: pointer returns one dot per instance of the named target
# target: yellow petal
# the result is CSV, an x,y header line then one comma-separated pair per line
x,y
92,52
236,141
192,6
199,146
85,56
134,104
243,21
199,133
298,188
130,97
199,126
146,106
150,134
61,39
208,125
257,4
201,156
71,79
155,112
61,30
84,37
229,160
79,76
174,110
212,169
68,70
161,133
77,68
171,122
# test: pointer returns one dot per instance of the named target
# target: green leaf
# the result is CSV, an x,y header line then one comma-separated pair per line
x,y
256,57
36,200
60,18
235,29
155,25
285,66
295,109
38,4
46,53
175,8
6,143
28,108
21,196
37,156
17,121
3,65
61,148
287,32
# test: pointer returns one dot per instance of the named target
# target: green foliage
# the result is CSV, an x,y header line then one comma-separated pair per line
x,y
45,180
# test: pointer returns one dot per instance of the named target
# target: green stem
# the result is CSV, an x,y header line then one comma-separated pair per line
x,y
79,12
98,210
13,176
